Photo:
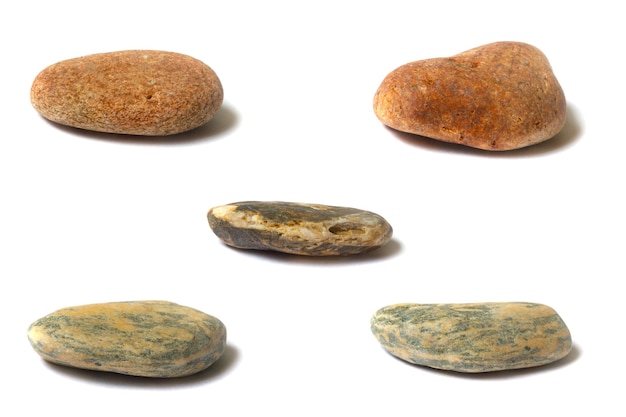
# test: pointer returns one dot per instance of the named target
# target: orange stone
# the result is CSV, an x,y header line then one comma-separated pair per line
x,y
496,97
135,92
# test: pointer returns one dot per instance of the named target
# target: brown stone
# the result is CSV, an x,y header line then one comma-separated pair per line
x,y
298,228
497,97
135,92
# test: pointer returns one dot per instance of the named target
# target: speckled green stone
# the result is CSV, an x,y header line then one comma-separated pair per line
x,y
478,337
142,338
298,228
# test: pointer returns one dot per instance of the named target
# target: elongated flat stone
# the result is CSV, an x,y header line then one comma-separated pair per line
x,y
135,92
301,229
479,337
496,97
142,338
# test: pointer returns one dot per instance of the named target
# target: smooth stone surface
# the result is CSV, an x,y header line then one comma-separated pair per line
x,y
478,337
135,92
301,229
143,338
497,97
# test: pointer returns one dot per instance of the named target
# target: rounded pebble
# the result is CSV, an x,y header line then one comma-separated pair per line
x,y
135,92
156,339
496,97
477,337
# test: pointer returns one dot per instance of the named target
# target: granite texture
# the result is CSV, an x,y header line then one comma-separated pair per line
x,y
297,228
471,338
501,96
156,339
135,92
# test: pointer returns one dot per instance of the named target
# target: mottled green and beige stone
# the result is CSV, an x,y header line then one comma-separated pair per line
x,y
477,337
298,228
142,338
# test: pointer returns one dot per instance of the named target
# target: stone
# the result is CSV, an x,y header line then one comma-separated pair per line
x,y
134,92
471,338
300,229
156,339
497,97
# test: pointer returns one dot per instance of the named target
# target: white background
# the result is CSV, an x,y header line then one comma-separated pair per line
x,y
92,218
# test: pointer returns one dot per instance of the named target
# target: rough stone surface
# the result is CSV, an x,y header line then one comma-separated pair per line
x,y
479,337
301,229
141,338
135,92
497,97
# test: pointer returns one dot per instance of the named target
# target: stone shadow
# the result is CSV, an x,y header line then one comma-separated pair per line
x,y
572,357
218,370
571,132
392,249
225,120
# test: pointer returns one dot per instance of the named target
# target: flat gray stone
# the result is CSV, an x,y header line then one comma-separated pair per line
x,y
301,229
